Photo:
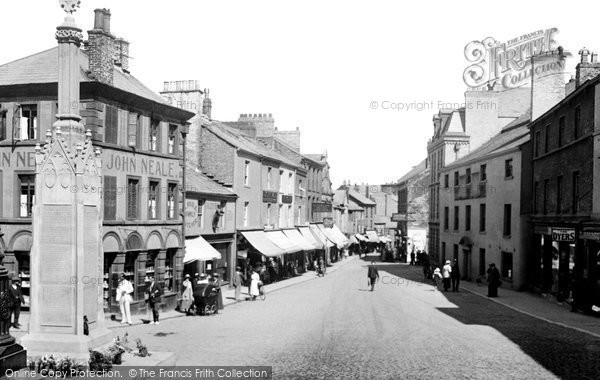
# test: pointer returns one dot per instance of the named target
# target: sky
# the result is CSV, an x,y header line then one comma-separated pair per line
x,y
335,69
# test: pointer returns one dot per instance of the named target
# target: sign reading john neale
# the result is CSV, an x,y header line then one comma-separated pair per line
x,y
141,165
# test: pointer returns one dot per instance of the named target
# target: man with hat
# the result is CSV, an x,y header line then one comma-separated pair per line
x,y
446,271
17,300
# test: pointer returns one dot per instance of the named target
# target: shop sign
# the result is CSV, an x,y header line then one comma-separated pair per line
x,y
328,222
397,217
590,235
321,207
269,196
192,222
509,63
542,230
563,234
286,199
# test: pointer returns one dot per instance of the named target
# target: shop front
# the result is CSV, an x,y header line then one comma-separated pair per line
x,y
587,285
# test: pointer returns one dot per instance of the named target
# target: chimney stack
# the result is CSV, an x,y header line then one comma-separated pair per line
x,y
122,54
207,104
585,69
101,47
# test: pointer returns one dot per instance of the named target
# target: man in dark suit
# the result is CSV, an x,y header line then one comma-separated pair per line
x,y
373,275
153,292
17,300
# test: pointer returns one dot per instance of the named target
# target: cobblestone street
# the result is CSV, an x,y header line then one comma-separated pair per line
x,y
333,327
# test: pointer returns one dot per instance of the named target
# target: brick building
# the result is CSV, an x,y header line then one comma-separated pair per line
x,y
142,140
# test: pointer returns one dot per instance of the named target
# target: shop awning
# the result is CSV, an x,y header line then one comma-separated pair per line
x,y
331,236
372,235
320,236
296,237
279,239
262,243
339,235
385,239
199,249
353,240
305,232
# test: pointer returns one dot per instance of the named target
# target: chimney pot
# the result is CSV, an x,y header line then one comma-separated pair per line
x,y
106,20
584,53
98,19
594,57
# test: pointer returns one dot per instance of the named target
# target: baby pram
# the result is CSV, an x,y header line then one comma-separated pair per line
x,y
205,299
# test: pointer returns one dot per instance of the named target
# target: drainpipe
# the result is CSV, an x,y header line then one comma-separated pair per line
x,y
183,192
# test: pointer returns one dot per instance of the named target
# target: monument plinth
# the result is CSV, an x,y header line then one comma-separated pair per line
x,y
66,255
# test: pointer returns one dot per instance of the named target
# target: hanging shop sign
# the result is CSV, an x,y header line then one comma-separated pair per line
x,y
590,235
509,63
563,234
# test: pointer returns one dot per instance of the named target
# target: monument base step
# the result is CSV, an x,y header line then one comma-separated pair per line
x,y
65,345
12,357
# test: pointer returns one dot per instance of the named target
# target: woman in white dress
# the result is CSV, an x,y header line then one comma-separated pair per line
x,y
254,285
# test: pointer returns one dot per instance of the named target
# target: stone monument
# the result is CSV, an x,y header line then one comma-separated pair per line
x,y
66,255
12,355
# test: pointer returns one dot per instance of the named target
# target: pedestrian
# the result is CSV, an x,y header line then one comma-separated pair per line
x,y
124,291
373,275
255,279
216,282
321,266
187,296
493,280
203,279
437,278
412,257
446,270
272,268
238,280
455,275
153,293
17,300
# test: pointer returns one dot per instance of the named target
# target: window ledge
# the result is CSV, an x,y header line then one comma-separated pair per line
x,y
508,178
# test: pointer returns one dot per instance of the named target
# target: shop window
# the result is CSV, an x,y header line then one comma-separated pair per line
x,y
152,265
170,269
153,191
24,274
27,194
172,139
482,269
111,125
133,198
130,272
109,191
110,282
27,125
2,125
172,201
507,265
153,143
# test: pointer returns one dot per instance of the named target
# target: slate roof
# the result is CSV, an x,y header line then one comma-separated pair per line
x,y
358,197
235,138
511,136
419,168
200,183
353,206
42,67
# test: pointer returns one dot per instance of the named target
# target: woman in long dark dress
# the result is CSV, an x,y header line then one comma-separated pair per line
x,y
217,284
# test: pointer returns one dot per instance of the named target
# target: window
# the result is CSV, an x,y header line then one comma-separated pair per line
x,y
223,209
443,251
246,204
172,201
132,198
561,130
290,184
576,190
483,173
110,197
281,216
545,196
455,178
153,190
546,137
507,220
247,173
27,196
446,212
133,127
456,210
269,178
468,218
281,184
154,133
576,122
508,168
559,191
536,142
27,129
111,125
482,217
169,269
446,181
172,139
290,216
536,193
468,174
482,269
455,252
299,216
268,213
2,125
507,265
200,215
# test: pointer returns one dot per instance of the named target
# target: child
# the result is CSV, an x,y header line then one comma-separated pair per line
x,y
437,278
